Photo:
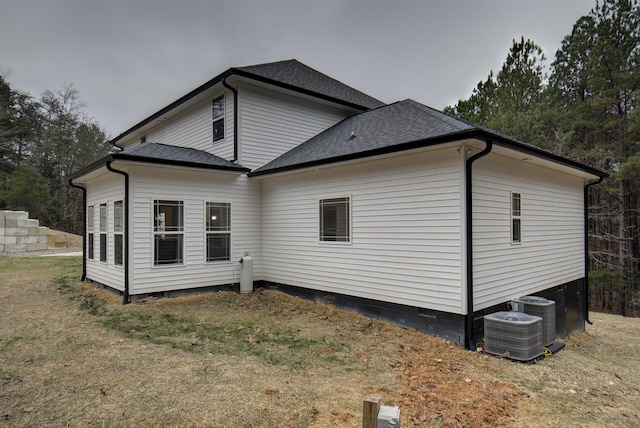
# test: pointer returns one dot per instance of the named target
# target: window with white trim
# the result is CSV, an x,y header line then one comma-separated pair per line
x,y
168,232
90,222
103,233
516,218
335,220
218,230
118,229
217,111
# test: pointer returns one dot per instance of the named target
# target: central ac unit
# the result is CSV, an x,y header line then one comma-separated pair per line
x,y
540,307
515,335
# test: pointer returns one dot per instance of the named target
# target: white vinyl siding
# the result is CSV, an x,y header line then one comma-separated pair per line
x,y
273,123
551,251
105,190
193,128
194,188
406,245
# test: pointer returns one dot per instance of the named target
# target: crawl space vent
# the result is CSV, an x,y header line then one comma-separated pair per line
x,y
540,307
513,334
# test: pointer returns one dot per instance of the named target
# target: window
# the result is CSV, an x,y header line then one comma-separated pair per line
x,y
103,232
90,221
168,227
218,229
218,118
335,220
516,218
118,229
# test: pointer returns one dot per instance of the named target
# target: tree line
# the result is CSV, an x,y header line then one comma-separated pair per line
x,y
42,142
584,108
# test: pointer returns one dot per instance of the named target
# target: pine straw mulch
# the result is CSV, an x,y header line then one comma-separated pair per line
x,y
444,385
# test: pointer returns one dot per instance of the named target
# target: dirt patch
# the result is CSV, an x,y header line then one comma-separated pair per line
x,y
71,354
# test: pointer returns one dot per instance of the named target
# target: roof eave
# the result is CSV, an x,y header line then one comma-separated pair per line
x,y
309,92
142,159
172,162
232,71
369,153
532,150
91,167
467,134
200,89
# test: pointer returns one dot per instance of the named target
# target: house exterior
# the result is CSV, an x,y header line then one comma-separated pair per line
x,y
398,211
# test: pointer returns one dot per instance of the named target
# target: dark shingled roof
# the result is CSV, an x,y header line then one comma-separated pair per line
x,y
173,155
392,128
165,155
384,127
299,76
290,74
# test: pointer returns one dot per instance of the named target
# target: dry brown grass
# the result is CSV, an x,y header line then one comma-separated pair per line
x,y
71,354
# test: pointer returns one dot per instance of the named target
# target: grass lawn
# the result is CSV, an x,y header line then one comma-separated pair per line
x,y
72,355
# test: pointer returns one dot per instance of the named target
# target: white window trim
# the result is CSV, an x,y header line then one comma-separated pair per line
x,y
515,217
350,220
103,231
220,118
153,234
206,232
118,232
91,220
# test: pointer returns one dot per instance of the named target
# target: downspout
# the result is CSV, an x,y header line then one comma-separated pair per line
x,y
125,297
84,226
235,118
469,240
586,248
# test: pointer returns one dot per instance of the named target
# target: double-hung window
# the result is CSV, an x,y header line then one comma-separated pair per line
x,y
168,232
118,229
103,233
217,110
90,222
335,220
516,218
218,230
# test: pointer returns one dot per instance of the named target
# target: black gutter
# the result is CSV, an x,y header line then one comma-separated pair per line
x,y
84,227
474,133
586,248
367,153
309,92
235,118
173,162
144,159
125,296
468,329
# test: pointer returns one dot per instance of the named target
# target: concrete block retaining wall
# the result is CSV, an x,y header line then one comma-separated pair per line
x,y
19,233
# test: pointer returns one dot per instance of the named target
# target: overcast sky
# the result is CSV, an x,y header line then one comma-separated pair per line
x,y
130,58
